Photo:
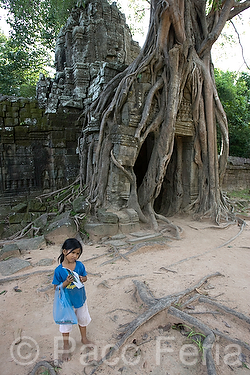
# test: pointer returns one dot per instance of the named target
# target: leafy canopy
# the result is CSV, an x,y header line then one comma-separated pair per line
x,y
19,67
37,21
234,93
29,49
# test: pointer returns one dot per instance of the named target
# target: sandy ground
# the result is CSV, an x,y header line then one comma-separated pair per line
x,y
155,348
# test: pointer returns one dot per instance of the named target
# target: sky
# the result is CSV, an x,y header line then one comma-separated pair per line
x,y
225,58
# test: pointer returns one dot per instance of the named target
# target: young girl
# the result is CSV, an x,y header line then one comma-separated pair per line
x,y
71,251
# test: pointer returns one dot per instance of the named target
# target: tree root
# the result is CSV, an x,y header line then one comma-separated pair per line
x,y
49,368
131,251
154,307
235,341
226,309
207,343
18,277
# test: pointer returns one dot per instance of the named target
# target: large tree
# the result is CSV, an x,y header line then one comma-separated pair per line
x,y
175,61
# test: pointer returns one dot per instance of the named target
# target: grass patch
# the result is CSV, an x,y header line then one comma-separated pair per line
x,y
239,194
240,200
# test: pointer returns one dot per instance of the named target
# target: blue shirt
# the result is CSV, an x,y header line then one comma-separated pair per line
x,y
75,296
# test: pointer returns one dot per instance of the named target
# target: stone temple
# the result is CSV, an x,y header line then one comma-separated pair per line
x,y
39,138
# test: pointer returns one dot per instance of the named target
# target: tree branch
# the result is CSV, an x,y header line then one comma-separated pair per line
x,y
242,51
217,29
238,8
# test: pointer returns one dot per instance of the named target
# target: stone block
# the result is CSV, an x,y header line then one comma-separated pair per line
x,y
21,132
125,155
128,228
9,122
80,205
24,113
59,230
20,207
36,206
31,243
17,218
123,217
41,221
107,216
11,229
99,230
10,266
132,214
4,211
10,250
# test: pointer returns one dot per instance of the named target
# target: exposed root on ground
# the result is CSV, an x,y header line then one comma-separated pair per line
x,y
43,365
156,305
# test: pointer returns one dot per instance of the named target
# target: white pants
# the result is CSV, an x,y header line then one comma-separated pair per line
x,y
83,318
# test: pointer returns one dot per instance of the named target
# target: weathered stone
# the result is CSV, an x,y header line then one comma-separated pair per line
x,y
36,206
80,205
41,221
133,215
10,250
4,211
17,218
128,221
116,243
237,176
31,243
152,237
130,227
119,236
12,229
10,266
99,230
107,216
45,262
60,229
19,208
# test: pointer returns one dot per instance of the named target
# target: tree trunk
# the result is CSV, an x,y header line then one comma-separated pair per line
x,y
174,66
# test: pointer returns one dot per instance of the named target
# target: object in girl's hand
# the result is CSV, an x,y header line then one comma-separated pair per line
x,y
76,279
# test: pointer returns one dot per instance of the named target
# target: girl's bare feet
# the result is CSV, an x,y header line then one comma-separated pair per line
x,y
86,341
66,356
66,348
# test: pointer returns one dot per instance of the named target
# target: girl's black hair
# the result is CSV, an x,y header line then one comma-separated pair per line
x,y
70,244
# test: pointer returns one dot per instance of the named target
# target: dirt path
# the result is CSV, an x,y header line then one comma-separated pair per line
x,y
155,348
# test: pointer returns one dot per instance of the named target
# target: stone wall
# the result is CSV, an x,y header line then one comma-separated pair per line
x,y
38,150
237,175
39,138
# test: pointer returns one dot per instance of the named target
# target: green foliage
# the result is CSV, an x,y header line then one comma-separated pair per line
x,y
239,194
19,68
29,49
234,93
135,14
37,21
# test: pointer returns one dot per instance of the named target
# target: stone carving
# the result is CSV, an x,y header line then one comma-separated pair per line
x,y
93,46
39,138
